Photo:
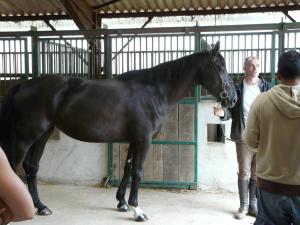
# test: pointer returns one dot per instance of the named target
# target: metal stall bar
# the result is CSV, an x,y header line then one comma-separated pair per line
x,y
13,62
68,56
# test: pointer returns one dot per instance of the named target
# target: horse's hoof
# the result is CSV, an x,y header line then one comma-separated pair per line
x,y
123,208
141,218
44,212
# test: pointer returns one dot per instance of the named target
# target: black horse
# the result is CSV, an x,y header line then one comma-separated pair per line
x,y
130,108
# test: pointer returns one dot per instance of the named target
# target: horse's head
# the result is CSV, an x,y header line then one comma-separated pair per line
x,y
217,81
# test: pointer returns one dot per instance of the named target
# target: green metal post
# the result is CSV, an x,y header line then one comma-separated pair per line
x,y
196,178
198,49
197,91
281,40
281,34
110,159
108,75
107,57
273,52
35,53
197,42
26,75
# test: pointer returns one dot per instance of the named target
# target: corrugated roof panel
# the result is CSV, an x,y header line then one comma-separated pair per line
x,y
213,4
152,5
112,7
128,6
241,4
186,4
179,5
160,5
204,4
222,4
168,5
43,7
194,4
30,7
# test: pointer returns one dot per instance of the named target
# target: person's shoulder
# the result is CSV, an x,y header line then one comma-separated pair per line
x,y
262,98
263,95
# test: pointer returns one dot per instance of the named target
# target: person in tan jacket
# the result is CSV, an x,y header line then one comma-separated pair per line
x,y
272,131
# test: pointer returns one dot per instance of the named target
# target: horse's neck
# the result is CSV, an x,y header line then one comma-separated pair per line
x,y
177,89
187,77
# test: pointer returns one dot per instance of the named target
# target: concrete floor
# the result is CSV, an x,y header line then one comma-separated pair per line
x,y
81,205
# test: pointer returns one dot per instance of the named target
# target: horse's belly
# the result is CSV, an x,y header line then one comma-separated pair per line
x,y
93,132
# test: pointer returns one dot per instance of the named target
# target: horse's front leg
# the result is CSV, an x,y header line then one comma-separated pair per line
x,y
139,154
31,167
122,205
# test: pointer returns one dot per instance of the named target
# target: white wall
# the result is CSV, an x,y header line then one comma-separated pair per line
x,y
72,161
217,164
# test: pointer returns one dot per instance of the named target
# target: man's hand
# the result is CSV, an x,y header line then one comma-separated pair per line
x,y
218,111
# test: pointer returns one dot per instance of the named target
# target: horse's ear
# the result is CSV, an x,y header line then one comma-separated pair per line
x,y
216,48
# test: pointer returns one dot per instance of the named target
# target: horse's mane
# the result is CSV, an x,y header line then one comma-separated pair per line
x,y
165,72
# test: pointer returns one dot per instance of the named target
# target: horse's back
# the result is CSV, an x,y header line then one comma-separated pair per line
x,y
87,110
41,87
80,108
95,111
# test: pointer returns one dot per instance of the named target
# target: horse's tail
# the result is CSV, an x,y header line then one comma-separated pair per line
x,y
6,121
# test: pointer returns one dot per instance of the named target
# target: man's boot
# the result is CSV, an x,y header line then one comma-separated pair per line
x,y
243,186
252,198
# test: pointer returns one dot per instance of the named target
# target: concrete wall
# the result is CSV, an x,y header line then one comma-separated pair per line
x,y
217,164
73,162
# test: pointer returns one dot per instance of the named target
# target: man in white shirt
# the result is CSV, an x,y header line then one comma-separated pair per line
x,y
247,89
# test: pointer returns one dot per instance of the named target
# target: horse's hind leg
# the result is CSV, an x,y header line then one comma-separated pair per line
x,y
122,205
31,167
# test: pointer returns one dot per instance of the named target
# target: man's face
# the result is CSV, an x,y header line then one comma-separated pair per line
x,y
251,68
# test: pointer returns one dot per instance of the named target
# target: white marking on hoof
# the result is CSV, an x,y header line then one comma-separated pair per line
x,y
138,214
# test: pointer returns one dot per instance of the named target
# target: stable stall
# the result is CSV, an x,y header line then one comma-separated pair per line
x,y
182,156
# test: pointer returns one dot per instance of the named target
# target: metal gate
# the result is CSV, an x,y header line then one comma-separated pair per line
x,y
14,61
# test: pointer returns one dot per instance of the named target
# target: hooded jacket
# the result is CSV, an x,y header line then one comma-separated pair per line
x,y
273,129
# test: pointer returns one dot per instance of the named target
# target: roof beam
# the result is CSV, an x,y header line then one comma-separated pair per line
x,y
49,25
37,17
137,31
97,7
124,46
81,13
286,13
